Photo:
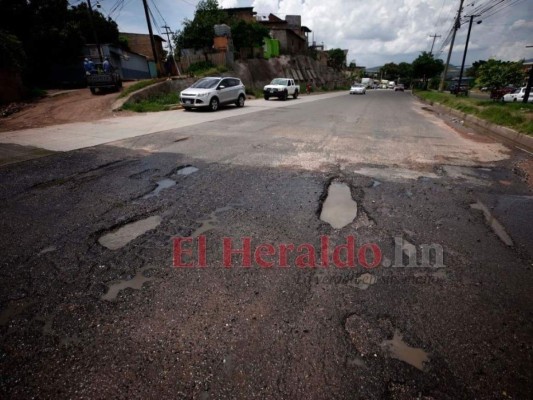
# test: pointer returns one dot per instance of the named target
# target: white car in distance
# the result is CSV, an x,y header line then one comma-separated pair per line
x,y
358,88
518,96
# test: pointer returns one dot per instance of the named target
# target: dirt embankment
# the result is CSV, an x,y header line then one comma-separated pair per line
x,y
62,108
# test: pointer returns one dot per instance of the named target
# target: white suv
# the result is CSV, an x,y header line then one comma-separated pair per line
x,y
212,92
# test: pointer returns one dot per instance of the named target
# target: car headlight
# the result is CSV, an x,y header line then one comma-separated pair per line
x,y
202,94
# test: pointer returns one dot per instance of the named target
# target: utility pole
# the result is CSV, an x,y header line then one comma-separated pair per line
x,y
529,84
168,31
95,36
152,40
455,27
464,54
435,36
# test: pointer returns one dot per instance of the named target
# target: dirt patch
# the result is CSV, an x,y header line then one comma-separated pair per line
x,y
63,108
525,169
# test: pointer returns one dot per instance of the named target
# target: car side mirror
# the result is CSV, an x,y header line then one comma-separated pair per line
x,y
221,87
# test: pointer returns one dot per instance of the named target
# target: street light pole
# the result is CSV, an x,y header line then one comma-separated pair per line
x,y
151,33
455,27
529,84
89,5
464,54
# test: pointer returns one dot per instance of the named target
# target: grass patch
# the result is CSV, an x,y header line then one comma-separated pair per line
x,y
517,116
258,93
162,102
206,68
138,86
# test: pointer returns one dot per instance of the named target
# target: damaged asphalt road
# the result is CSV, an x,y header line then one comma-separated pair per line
x,y
91,306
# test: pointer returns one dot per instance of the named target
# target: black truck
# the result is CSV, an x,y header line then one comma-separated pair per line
x,y
99,80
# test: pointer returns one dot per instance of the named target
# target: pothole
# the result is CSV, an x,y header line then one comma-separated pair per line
x,y
127,233
400,350
211,222
498,228
161,185
339,209
187,170
136,283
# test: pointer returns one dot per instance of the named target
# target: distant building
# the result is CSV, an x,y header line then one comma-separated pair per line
x,y
241,13
293,37
140,43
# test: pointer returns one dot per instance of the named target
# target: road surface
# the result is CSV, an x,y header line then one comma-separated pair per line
x,y
436,302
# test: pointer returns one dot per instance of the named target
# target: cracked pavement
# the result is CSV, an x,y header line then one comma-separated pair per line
x,y
79,320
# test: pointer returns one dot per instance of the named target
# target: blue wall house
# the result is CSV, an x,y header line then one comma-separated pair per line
x,y
130,65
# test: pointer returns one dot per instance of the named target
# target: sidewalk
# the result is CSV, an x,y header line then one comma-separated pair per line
x,y
67,137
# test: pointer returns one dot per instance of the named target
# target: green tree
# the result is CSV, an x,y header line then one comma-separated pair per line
x,y
426,67
198,33
336,59
248,34
405,71
390,71
474,69
49,33
12,54
106,28
497,74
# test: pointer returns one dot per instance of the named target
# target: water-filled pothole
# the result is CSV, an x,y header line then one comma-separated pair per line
x,y
339,209
136,283
400,350
127,233
187,170
161,185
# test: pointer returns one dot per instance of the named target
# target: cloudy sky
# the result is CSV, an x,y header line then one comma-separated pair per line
x,y
374,32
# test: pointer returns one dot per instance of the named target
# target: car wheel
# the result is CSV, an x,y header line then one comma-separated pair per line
x,y
213,104
295,95
240,101
93,90
266,97
285,96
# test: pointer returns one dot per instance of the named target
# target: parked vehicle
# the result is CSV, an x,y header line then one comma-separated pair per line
x,y
358,88
212,92
100,80
497,94
391,85
459,91
399,87
367,83
518,96
281,88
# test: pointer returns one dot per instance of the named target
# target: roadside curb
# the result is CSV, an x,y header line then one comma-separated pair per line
x,y
517,138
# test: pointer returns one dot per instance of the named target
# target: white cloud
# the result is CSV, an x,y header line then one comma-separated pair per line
x,y
228,3
378,31
382,31
522,24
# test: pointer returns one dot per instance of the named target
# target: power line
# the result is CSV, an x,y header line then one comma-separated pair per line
x,y
435,36
455,27
159,12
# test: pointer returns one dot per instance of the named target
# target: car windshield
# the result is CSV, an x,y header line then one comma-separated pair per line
x,y
279,81
206,83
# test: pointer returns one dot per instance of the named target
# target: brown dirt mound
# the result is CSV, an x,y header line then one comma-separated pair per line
x,y
62,107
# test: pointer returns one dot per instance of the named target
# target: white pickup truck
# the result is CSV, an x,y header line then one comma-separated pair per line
x,y
281,88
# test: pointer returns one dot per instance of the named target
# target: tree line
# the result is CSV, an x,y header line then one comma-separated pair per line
x,y
36,35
